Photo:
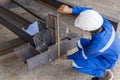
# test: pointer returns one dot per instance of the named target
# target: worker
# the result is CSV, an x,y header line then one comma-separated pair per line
x,y
96,56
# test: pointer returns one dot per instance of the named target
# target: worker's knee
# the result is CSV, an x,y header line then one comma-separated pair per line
x,y
90,71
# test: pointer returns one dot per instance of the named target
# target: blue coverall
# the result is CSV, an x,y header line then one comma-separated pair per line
x,y
97,54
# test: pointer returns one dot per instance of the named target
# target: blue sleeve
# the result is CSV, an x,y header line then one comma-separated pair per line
x,y
87,50
77,9
83,42
91,50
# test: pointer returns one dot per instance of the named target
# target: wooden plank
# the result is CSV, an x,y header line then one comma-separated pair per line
x,y
7,47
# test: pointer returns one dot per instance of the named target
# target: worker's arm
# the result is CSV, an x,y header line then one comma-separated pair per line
x,y
74,10
87,50
77,9
83,43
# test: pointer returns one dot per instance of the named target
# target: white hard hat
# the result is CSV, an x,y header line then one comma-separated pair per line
x,y
89,20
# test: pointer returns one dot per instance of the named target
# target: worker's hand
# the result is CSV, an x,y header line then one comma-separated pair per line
x,y
65,9
63,57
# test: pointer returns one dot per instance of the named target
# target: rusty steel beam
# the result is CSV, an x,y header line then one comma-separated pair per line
x,y
33,58
51,53
25,52
28,54
54,4
15,23
27,8
7,47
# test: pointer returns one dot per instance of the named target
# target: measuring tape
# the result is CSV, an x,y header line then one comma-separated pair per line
x,y
58,34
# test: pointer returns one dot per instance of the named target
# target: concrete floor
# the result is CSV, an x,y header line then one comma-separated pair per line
x,y
11,68
14,69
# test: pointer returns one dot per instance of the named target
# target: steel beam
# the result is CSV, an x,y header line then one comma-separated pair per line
x,y
7,47
33,58
15,23
27,7
51,53
41,11
28,53
54,4
25,52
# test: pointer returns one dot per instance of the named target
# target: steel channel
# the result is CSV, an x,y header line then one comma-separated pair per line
x,y
34,14
15,23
